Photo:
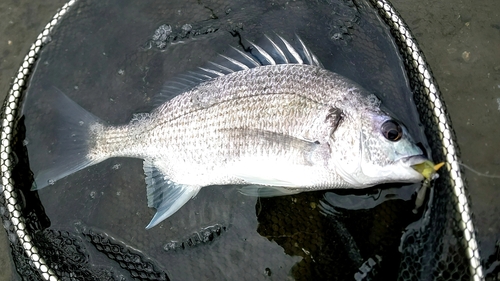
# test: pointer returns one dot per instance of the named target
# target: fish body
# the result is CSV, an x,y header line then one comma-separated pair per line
x,y
274,121
206,137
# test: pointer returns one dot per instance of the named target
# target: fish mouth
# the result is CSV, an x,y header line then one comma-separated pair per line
x,y
423,166
416,165
414,160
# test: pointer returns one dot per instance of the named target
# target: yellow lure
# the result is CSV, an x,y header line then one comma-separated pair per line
x,y
427,168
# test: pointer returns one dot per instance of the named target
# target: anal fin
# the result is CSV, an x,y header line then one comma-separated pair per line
x,y
163,194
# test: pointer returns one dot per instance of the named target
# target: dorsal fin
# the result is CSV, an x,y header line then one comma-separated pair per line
x,y
268,51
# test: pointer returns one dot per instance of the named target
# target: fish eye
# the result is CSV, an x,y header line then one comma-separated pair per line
x,y
392,130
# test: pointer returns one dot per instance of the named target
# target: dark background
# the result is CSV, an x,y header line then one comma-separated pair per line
x,y
460,39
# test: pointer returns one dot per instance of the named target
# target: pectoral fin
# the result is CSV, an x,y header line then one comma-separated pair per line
x,y
290,163
163,194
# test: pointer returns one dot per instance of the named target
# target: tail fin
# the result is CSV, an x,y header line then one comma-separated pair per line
x,y
73,132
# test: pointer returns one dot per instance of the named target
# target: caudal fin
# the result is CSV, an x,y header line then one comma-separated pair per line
x,y
72,134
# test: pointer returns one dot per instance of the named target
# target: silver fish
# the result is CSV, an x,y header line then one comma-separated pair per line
x,y
273,120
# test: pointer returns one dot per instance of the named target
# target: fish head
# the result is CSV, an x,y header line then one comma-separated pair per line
x,y
377,149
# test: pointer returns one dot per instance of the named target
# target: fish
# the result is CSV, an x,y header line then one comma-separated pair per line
x,y
271,119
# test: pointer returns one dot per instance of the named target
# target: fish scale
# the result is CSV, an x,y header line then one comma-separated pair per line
x,y
298,116
314,82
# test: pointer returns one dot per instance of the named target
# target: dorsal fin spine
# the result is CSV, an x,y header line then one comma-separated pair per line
x,y
249,58
215,72
278,49
221,67
201,76
235,62
292,50
306,51
265,54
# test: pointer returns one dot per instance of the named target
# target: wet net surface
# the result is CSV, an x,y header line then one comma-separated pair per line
x,y
90,226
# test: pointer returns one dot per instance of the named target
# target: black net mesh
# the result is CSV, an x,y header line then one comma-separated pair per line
x,y
96,231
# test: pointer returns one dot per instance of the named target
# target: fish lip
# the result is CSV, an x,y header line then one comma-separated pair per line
x,y
414,160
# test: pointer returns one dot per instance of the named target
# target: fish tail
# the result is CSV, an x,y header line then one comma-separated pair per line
x,y
75,129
